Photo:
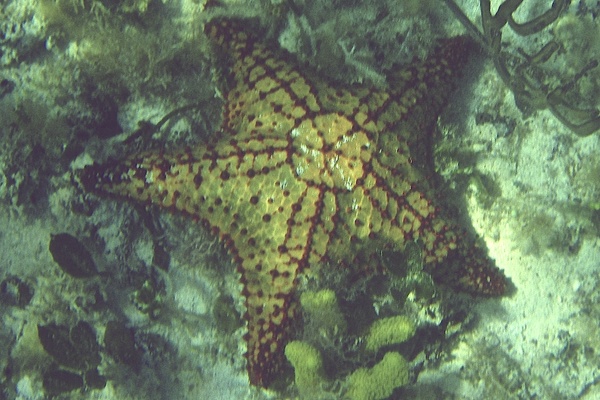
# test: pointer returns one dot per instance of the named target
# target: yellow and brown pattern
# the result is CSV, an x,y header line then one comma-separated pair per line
x,y
305,172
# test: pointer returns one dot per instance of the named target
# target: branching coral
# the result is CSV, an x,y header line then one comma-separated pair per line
x,y
522,72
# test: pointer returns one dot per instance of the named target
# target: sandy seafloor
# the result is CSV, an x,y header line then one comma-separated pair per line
x,y
78,75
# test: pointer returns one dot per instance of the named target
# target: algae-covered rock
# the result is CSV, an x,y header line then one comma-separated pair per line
x,y
226,316
15,292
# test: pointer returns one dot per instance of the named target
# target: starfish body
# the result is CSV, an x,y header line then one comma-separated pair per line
x,y
304,171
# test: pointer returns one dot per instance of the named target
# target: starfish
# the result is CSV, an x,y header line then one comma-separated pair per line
x,y
304,171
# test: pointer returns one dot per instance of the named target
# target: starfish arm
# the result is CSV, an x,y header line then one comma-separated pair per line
x,y
422,89
246,192
268,95
469,269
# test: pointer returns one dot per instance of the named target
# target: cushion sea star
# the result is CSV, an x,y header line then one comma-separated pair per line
x,y
305,171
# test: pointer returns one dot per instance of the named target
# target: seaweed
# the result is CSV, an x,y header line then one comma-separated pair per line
x,y
521,72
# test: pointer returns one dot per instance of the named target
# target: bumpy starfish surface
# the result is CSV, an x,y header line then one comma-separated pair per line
x,y
303,172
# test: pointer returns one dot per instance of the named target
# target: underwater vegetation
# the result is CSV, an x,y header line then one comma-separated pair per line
x,y
113,60
525,74
364,383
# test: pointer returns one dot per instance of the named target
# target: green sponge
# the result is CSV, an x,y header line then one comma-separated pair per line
x,y
380,381
386,331
308,368
323,309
